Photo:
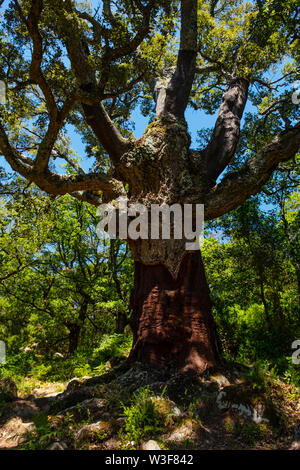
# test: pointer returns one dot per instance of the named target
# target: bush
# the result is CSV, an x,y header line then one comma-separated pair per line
x,y
142,418
50,368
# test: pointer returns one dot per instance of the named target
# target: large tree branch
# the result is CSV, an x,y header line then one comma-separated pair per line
x,y
37,54
56,115
55,183
224,139
222,145
94,112
105,130
239,185
180,85
91,197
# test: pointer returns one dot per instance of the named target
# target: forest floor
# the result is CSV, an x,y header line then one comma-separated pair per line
x,y
233,408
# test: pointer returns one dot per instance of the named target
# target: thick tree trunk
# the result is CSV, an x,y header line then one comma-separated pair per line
x,y
171,320
121,322
264,301
171,309
75,328
74,338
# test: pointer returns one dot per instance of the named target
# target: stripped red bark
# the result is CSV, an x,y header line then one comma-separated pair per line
x,y
172,322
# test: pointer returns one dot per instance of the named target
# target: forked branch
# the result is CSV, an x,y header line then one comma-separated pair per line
x,y
239,185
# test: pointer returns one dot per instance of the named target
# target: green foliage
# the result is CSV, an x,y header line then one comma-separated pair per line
x,y
249,432
142,417
45,434
111,346
70,287
85,362
254,277
291,374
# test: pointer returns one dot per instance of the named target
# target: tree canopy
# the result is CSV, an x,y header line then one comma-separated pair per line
x,y
65,64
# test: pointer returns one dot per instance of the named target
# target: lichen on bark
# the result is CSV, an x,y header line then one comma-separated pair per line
x,y
158,170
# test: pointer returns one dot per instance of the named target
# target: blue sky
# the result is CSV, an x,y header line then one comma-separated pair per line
x,y
196,120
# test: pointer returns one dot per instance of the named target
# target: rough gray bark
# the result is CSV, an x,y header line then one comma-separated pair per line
x,y
179,88
224,139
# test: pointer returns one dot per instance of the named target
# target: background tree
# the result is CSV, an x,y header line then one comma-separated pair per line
x,y
253,283
64,66
59,283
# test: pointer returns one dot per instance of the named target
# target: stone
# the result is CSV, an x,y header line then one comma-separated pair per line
x,y
127,330
295,445
177,413
91,408
48,390
166,407
111,444
132,377
76,383
13,431
57,354
69,398
97,431
247,402
188,429
23,409
150,445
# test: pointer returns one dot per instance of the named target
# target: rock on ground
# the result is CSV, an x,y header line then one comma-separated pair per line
x,y
246,402
12,433
96,431
23,409
150,445
91,408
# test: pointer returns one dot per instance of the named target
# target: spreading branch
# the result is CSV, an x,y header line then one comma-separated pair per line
x,y
55,183
237,186
225,136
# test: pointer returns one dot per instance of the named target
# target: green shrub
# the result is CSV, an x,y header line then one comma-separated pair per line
x,y
85,361
292,375
142,418
257,376
44,434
